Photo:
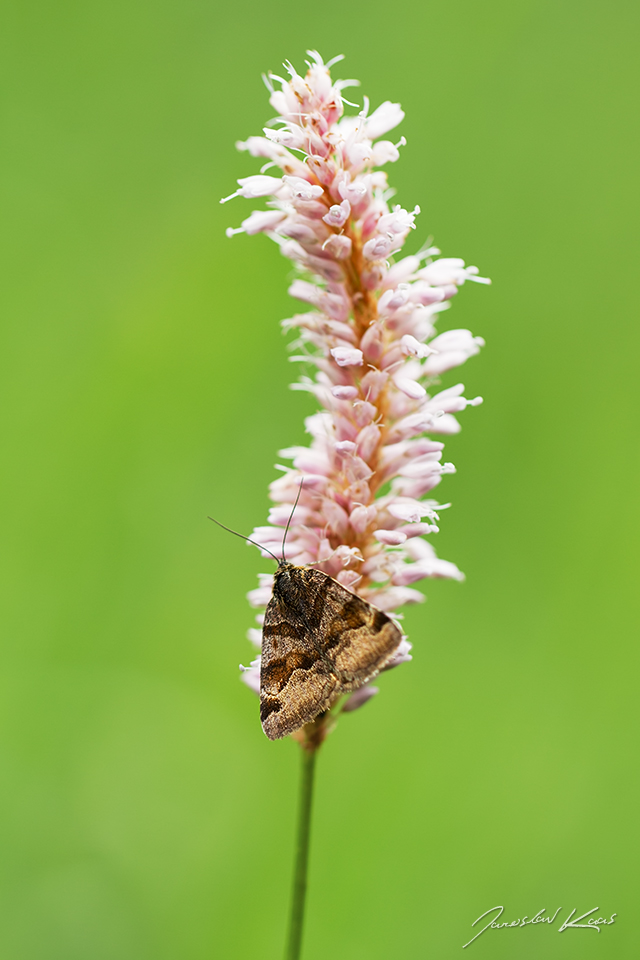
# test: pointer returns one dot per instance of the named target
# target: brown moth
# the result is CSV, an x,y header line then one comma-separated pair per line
x,y
319,641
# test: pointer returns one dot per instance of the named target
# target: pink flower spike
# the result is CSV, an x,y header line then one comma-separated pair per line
x,y
370,349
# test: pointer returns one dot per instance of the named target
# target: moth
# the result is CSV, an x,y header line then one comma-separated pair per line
x,y
319,641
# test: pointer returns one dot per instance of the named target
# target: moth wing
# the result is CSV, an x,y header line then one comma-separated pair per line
x,y
296,682
357,638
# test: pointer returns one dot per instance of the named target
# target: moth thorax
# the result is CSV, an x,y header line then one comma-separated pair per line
x,y
285,569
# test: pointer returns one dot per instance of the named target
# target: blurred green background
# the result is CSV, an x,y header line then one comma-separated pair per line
x,y
144,815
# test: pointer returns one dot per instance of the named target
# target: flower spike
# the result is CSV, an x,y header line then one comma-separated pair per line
x,y
362,488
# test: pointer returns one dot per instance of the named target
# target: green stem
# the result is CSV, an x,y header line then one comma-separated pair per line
x,y
302,855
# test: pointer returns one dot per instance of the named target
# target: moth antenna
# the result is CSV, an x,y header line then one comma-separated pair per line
x,y
260,546
286,531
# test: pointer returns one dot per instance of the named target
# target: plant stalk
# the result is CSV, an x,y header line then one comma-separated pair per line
x,y
294,944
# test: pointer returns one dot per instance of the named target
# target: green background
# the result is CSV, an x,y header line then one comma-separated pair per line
x,y
144,815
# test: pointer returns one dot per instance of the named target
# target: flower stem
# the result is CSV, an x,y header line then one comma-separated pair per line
x,y
302,854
